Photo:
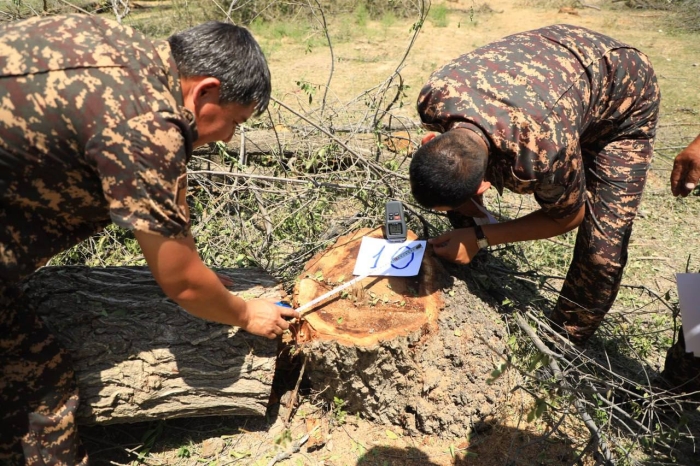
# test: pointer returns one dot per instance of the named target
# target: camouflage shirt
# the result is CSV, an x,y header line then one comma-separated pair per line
x,y
538,98
92,130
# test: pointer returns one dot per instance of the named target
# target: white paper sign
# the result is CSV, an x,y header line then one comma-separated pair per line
x,y
375,258
689,297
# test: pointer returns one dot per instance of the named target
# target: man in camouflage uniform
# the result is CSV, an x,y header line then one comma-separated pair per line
x,y
682,369
97,124
563,113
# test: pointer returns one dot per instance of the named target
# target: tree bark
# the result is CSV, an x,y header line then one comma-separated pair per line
x,y
138,356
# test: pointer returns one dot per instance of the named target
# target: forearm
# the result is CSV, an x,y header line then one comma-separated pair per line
x,y
201,294
185,279
536,225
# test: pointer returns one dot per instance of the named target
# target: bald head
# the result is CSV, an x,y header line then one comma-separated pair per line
x,y
448,170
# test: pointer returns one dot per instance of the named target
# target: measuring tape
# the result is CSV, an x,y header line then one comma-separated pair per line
x,y
311,304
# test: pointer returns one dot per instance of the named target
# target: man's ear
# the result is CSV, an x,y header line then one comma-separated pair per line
x,y
200,90
483,187
206,90
427,138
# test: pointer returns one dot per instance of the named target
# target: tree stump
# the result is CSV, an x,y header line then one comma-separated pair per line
x,y
411,351
138,356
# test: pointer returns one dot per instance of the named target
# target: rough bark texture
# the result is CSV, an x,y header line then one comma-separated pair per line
x,y
431,378
138,356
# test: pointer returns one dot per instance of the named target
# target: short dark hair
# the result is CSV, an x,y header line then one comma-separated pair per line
x,y
230,54
447,170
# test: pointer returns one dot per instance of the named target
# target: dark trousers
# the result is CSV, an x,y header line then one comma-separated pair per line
x,y
38,392
616,164
600,255
681,369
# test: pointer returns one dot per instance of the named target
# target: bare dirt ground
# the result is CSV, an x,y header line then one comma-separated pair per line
x,y
666,239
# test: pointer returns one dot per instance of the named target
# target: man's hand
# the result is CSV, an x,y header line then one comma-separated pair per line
x,y
266,319
686,169
458,246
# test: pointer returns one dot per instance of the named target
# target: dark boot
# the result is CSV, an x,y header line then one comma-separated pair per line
x,y
681,369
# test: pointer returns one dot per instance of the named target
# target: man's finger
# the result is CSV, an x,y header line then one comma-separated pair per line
x,y
692,178
290,313
676,178
443,238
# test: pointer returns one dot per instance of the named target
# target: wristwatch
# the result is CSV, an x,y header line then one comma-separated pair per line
x,y
481,239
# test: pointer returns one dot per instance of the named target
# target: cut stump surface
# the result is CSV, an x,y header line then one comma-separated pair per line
x,y
373,310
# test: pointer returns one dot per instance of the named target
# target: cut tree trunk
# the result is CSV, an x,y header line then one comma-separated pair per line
x,y
399,350
138,356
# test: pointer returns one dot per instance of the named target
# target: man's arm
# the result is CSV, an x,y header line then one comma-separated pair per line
x,y
686,169
536,225
460,245
185,279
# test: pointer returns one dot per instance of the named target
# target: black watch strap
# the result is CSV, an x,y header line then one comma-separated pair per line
x,y
481,239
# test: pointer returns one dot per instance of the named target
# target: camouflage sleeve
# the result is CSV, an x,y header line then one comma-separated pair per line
x,y
142,165
561,192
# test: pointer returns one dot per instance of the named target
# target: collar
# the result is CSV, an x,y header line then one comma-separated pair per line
x,y
475,129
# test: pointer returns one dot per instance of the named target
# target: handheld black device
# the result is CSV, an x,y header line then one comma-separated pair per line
x,y
394,222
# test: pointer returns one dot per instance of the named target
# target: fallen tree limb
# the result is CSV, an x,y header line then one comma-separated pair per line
x,y
138,356
558,374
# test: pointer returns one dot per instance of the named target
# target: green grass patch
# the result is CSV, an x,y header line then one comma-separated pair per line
x,y
361,15
439,16
388,20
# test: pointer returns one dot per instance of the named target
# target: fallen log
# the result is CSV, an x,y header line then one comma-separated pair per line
x,y
138,356
411,351
286,143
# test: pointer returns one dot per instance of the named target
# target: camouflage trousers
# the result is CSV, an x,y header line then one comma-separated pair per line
x,y
38,392
614,186
616,166
682,370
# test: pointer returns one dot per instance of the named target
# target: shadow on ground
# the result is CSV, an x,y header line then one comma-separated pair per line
x,y
130,443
